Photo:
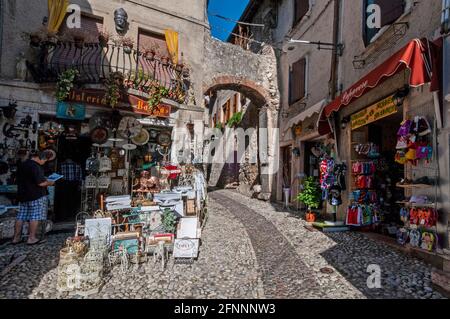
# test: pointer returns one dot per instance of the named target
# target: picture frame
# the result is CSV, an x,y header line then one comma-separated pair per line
x,y
186,248
131,245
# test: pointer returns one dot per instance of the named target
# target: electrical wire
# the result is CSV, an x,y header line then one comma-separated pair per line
x,y
236,21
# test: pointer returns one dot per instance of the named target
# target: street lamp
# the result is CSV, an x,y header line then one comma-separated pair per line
x,y
400,96
339,47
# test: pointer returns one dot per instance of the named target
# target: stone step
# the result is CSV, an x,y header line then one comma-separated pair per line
x,y
441,281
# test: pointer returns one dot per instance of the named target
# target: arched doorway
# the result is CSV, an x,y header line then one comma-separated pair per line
x,y
243,106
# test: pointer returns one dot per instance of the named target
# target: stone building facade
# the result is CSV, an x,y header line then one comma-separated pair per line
x,y
187,18
356,49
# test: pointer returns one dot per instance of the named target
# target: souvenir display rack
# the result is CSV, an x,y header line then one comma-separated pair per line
x,y
415,215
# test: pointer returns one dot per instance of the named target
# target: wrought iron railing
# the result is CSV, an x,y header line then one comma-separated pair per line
x,y
95,63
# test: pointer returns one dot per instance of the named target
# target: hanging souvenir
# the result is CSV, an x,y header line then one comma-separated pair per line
x,y
129,127
164,139
105,164
104,181
142,138
91,181
99,135
428,241
92,164
50,154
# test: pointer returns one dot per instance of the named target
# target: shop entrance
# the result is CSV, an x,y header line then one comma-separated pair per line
x,y
375,174
287,162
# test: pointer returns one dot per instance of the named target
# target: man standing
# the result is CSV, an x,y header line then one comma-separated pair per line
x,y
32,195
68,191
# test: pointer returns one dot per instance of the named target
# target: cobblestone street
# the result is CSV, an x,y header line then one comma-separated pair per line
x,y
250,249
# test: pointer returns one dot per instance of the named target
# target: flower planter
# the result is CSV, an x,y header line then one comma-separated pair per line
x,y
79,43
127,49
35,41
179,67
310,217
150,55
165,60
103,41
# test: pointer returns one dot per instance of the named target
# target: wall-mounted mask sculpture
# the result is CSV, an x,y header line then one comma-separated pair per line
x,y
121,20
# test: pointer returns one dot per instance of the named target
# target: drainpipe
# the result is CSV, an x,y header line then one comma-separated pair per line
x,y
334,56
334,69
2,21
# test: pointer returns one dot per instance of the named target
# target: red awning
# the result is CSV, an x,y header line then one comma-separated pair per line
x,y
413,57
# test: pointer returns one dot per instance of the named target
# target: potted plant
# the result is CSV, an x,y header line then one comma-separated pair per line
x,y
165,59
35,37
235,119
114,86
311,197
76,36
151,51
103,38
127,44
52,37
169,221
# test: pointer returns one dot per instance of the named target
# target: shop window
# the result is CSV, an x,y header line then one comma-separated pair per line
x,y
446,16
301,8
391,10
148,40
297,81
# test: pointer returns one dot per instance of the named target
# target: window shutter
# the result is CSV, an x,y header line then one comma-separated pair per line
x,y
298,81
147,39
391,10
301,8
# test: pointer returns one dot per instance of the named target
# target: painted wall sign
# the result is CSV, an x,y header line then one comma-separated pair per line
x,y
374,113
127,102
70,111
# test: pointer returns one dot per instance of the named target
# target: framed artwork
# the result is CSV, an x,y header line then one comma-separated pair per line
x,y
131,245
70,111
98,229
185,248
187,227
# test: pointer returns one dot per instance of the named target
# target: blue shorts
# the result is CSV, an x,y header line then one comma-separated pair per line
x,y
33,211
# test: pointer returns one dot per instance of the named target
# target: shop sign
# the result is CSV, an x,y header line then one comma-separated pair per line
x,y
70,111
374,113
136,104
185,248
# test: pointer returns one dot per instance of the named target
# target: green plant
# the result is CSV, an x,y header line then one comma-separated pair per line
x,y
156,94
311,193
65,84
235,119
219,126
114,86
168,221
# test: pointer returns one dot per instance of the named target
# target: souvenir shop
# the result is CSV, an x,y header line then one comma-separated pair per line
x,y
114,179
388,138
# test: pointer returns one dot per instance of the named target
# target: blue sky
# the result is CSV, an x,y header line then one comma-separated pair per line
x,y
227,8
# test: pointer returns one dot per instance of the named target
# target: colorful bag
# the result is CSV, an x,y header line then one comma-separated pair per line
x,y
405,128
424,152
402,236
414,238
428,241
400,157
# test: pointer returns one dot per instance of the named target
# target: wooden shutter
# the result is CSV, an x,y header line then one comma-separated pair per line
x,y
301,8
298,81
91,25
391,10
147,39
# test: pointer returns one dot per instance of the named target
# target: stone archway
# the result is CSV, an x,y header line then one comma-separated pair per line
x,y
255,76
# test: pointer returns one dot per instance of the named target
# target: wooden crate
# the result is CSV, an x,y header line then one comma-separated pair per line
x,y
190,207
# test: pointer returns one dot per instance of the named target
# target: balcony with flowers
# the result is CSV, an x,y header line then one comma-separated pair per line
x,y
77,59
